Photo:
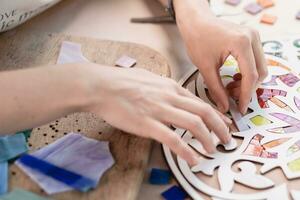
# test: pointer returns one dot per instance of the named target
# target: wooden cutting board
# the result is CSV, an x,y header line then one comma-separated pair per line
x,y
20,49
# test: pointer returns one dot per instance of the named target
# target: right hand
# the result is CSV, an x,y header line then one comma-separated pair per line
x,y
142,103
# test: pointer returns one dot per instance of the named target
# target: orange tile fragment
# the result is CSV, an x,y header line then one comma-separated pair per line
x,y
268,19
266,3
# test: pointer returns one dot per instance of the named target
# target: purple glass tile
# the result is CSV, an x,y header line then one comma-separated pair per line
x,y
253,8
297,102
233,2
298,15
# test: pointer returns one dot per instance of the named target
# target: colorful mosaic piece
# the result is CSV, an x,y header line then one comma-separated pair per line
x,y
271,140
255,148
253,8
294,165
289,79
265,95
259,120
297,102
294,148
275,143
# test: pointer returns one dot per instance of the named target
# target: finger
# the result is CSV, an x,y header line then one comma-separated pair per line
x,y
191,122
216,89
235,93
210,117
227,120
185,92
237,77
233,84
188,94
245,57
261,63
165,135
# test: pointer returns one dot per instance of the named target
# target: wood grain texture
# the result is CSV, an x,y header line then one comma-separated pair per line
x,y
20,49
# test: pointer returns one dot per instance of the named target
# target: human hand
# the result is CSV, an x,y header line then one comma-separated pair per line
x,y
144,104
210,41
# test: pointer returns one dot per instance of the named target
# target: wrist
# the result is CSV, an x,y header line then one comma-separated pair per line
x,y
82,85
191,10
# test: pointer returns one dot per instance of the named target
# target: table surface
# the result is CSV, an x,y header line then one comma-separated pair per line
x,y
110,19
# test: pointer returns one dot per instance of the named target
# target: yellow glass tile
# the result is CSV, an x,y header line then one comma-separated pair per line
x,y
226,76
230,62
259,120
294,165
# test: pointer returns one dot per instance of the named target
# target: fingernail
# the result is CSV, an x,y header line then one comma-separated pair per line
x,y
243,110
227,136
227,120
212,150
195,160
221,108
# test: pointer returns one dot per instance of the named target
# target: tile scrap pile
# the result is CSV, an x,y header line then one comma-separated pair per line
x,y
258,6
55,167
11,146
164,177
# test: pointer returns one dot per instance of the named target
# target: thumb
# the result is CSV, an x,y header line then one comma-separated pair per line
x,y
216,89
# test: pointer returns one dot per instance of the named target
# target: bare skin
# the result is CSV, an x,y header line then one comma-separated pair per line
x,y
135,100
209,41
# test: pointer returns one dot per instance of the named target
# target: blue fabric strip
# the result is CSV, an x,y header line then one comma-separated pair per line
x,y
69,178
12,146
3,177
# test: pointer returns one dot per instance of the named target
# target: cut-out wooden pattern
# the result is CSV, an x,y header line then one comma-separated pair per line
x,y
249,177
269,142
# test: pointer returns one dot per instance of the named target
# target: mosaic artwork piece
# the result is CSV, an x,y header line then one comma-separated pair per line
x,y
270,153
276,100
269,140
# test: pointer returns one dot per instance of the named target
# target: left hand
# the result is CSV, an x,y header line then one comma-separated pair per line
x,y
210,41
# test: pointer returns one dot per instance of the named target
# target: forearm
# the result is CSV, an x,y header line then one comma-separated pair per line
x,y
189,6
163,2
36,96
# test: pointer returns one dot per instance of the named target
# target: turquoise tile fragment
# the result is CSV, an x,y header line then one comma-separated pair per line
x,y
3,177
12,146
27,134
